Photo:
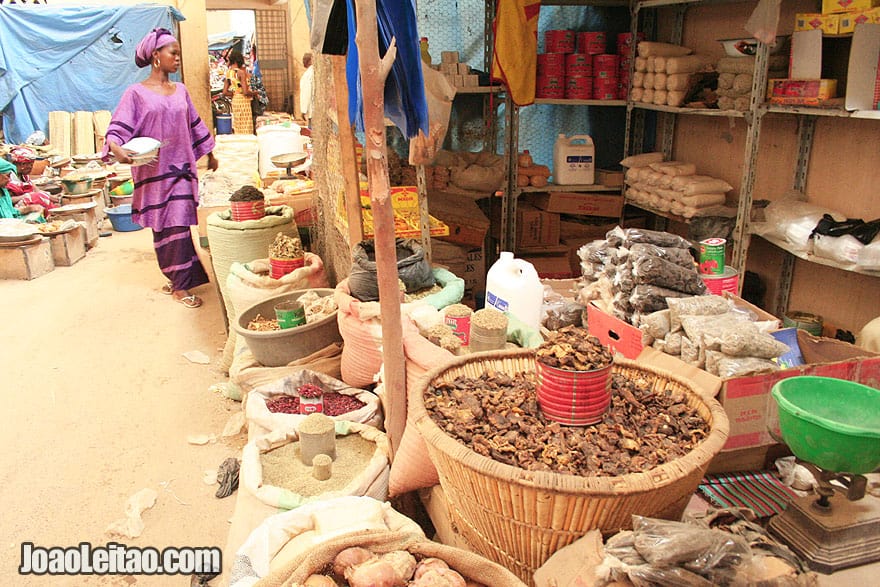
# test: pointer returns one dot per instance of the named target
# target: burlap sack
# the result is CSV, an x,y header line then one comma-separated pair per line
x,y
372,482
468,564
289,535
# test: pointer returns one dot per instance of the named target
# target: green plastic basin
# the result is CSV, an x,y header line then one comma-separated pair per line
x,y
832,423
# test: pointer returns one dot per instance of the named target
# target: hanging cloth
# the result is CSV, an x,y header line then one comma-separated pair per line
x,y
329,27
516,48
405,102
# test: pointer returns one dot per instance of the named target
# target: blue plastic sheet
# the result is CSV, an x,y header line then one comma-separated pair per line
x,y
69,58
405,102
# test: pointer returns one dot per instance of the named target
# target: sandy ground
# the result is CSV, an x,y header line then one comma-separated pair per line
x,y
98,402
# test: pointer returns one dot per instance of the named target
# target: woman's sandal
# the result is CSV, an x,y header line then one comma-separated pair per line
x,y
167,289
190,301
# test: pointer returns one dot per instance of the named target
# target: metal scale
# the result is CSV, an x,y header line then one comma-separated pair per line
x,y
288,161
834,431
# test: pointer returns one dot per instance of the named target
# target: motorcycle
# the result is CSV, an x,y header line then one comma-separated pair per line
x,y
220,104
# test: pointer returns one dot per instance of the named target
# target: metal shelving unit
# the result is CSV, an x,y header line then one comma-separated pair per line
x,y
512,193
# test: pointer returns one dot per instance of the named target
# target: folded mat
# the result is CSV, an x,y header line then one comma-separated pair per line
x,y
757,490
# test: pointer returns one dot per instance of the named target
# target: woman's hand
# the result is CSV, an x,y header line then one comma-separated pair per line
x,y
121,155
212,162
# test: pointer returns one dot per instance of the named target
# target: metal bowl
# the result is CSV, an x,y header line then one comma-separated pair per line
x,y
77,186
748,46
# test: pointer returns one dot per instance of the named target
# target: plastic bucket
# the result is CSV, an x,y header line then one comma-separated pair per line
x,y
578,65
120,218
726,282
574,398
832,423
253,210
551,64
592,43
278,268
559,41
224,124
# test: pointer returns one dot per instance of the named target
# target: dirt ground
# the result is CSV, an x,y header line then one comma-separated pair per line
x,y
98,402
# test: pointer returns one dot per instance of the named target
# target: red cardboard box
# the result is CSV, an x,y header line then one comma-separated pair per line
x,y
747,400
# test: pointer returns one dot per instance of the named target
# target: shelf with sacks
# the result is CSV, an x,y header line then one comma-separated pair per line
x,y
781,244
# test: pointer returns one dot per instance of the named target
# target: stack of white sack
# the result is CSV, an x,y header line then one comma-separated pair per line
x,y
675,187
664,72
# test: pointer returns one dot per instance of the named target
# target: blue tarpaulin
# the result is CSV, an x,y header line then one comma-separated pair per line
x,y
69,58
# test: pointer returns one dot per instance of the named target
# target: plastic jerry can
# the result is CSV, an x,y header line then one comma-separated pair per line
x,y
513,285
574,160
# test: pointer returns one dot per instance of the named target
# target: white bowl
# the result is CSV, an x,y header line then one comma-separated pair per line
x,y
142,145
748,46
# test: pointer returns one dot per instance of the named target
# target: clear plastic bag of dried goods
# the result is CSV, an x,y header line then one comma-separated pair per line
x,y
678,256
652,298
668,543
657,271
627,237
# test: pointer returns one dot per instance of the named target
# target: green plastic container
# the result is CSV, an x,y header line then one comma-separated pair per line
x,y
832,423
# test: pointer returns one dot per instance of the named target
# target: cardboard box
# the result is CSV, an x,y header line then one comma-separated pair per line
x,y
849,20
827,23
549,262
467,223
863,81
407,217
626,339
590,204
747,400
26,261
303,204
840,6
804,92
469,263
68,247
535,227
574,228
806,55
609,178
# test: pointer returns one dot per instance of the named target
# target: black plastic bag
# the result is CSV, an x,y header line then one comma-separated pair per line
x,y
412,269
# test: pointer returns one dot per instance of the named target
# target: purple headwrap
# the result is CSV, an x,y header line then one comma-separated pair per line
x,y
155,39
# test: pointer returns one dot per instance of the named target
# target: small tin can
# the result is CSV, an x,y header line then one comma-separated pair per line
x,y
712,253
311,405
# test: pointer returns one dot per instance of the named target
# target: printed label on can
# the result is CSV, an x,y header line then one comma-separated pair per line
x,y
712,253
461,327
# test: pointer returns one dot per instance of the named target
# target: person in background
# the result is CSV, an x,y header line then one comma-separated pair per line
x,y
166,190
21,188
7,208
306,88
237,86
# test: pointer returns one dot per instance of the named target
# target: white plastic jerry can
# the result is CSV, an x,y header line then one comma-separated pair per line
x,y
574,160
513,285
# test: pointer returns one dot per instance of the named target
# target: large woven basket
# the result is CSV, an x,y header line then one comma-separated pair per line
x,y
519,518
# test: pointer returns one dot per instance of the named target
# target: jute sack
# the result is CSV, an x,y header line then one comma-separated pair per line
x,y
292,534
372,482
262,421
470,565
241,242
250,283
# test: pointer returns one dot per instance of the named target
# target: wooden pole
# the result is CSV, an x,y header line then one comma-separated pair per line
x,y
347,153
374,71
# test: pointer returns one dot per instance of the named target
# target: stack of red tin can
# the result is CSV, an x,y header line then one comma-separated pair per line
x,y
578,66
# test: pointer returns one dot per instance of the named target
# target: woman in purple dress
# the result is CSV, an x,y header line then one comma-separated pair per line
x,y
166,190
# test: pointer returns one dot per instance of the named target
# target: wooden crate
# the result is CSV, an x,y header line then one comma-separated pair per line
x,y
27,261
68,247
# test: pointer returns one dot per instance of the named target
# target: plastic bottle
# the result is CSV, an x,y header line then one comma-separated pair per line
x,y
423,45
574,160
513,285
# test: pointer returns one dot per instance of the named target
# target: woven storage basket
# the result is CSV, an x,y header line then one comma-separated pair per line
x,y
519,518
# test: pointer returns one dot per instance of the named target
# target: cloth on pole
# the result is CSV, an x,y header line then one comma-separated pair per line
x,y
516,47
405,102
